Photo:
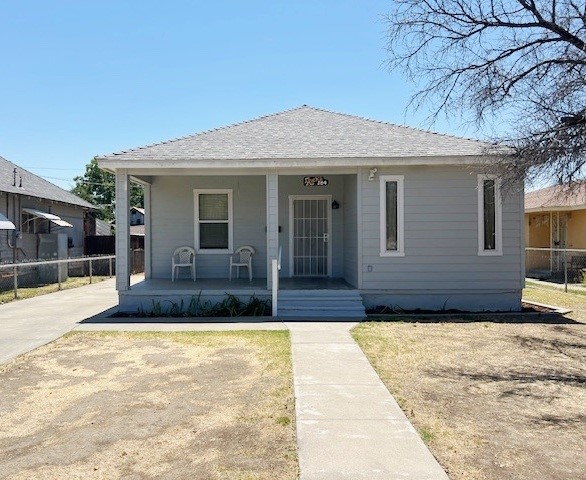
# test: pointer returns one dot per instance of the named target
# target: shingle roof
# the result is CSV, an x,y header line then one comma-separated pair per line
x,y
137,230
306,133
558,196
35,186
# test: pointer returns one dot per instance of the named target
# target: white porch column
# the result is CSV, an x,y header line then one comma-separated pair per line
x,y
122,230
147,230
272,220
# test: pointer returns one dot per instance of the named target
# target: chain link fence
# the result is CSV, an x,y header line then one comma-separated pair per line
x,y
560,265
39,273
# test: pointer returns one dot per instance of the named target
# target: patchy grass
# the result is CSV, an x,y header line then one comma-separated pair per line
x,y
197,405
493,401
575,300
29,292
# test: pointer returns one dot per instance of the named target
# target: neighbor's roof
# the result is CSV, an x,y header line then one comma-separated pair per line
x,y
306,133
35,186
557,197
137,230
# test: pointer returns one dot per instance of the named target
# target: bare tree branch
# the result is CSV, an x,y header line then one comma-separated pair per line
x,y
492,58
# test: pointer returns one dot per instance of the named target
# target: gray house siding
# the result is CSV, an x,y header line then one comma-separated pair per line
x,y
441,267
350,211
11,206
172,221
7,208
74,216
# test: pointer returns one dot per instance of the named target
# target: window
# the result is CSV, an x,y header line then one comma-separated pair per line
x,y
213,221
489,216
33,224
391,216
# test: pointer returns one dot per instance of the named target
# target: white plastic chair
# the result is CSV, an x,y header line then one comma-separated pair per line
x,y
183,257
242,258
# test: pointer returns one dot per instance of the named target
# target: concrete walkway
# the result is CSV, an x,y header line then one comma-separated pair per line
x,y
28,324
348,424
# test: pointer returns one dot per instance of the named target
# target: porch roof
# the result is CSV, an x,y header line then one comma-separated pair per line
x,y
300,133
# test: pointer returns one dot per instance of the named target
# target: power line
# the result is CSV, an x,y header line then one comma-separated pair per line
x,y
52,168
84,182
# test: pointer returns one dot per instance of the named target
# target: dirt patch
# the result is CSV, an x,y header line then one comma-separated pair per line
x,y
150,405
493,401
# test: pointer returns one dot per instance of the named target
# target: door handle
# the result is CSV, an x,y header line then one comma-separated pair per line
x,y
326,237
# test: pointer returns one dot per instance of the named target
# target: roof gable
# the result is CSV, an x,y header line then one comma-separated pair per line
x,y
306,133
28,183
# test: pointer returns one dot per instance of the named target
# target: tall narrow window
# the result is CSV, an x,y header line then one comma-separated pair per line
x,y
391,215
213,221
489,216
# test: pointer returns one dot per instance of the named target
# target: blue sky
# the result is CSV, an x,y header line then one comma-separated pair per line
x,y
81,78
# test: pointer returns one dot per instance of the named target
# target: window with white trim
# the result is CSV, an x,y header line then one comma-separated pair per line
x,y
489,216
213,221
391,216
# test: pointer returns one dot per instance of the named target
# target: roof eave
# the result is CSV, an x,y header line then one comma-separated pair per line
x,y
40,197
555,208
113,163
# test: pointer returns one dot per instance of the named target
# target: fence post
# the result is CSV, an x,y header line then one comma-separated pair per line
x,y
90,270
110,267
565,272
15,274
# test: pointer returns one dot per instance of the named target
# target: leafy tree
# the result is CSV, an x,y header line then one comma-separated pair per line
x,y
98,187
521,62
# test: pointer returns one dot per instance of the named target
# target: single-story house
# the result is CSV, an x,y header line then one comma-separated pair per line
x,y
555,218
358,213
48,221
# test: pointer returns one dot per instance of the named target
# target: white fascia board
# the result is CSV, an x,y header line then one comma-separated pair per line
x,y
113,164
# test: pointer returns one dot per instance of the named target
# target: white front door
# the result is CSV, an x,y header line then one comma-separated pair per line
x,y
309,235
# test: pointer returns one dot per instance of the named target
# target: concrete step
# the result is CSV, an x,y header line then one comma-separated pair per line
x,y
320,303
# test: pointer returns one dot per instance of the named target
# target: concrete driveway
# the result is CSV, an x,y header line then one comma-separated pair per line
x,y
28,324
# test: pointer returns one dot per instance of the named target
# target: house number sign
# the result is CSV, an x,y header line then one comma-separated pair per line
x,y
315,181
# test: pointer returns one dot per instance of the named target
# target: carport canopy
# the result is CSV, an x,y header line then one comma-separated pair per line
x,y
48,216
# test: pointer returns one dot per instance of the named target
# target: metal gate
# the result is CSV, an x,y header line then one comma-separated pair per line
x,y
309,220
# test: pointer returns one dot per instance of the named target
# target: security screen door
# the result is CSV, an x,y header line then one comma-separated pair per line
x,y
310,230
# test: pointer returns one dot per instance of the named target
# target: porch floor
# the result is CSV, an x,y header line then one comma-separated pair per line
x,y
223,285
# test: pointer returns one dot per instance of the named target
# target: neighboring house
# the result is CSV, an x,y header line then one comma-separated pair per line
x,y
137,228
39,210
136,216
354,208
555,217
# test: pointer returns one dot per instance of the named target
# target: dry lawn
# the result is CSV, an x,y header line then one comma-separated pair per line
x,y
493,401
150,405
575,300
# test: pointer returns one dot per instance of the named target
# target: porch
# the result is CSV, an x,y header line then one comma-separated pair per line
x,y
236,285
312,226
295,294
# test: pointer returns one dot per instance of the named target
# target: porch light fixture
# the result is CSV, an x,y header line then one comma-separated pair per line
x,y
335,205
372,174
